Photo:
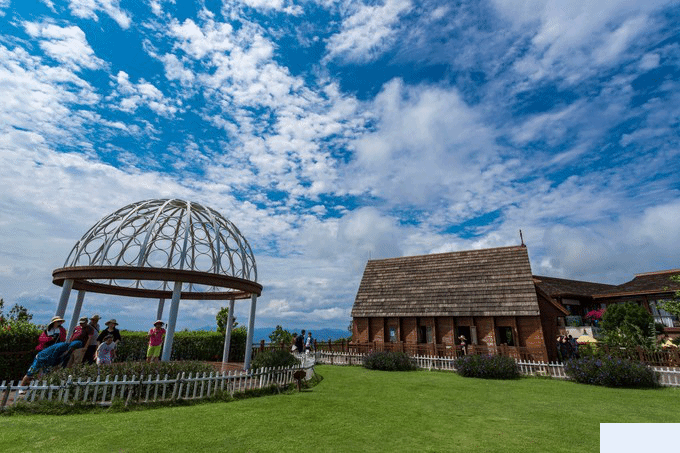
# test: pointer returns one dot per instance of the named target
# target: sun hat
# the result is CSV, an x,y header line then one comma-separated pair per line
x,y
55,319
83,319
111,321
158,322
96,317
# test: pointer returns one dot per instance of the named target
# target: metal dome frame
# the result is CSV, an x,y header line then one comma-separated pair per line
x,y
138,250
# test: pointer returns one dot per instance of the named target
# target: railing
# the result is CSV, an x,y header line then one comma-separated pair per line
x,y
443,350
668,377
144,389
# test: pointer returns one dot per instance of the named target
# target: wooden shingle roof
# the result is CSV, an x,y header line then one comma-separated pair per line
x,y
649,283
488,282
561,287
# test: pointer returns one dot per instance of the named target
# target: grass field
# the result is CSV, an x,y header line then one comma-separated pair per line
x,y
357,410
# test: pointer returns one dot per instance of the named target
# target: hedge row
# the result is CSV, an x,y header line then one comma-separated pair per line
x,y
16,337
187,345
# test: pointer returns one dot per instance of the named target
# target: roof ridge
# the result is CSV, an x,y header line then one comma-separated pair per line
x,y
452,252
669,271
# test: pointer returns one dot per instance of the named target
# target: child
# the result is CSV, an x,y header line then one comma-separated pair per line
x,y
156,336
106,351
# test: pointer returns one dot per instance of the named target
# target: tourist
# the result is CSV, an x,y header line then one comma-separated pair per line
x,y
93,343
293,347
309,343
463,344
110,330
83,328
574,346
300,342
106,351
156,336
54,355
53,334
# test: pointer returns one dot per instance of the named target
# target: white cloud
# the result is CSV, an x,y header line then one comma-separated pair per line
x,y
132,96
50,102
570,39
650,61
67,45
4,4
368,31
87,9
275,5
426,140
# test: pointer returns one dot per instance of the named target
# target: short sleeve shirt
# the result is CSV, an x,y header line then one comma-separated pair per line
x,y
156,336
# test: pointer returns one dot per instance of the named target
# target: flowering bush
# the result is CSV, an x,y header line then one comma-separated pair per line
x,y
389,361
610,372
595,314
487,366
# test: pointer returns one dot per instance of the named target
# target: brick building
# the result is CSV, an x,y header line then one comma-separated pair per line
x,y
422,304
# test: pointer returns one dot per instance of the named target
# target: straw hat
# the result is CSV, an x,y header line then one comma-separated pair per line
x,y
55,319
111,321
95,318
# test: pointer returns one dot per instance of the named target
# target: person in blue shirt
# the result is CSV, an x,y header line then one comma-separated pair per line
x,y
57,354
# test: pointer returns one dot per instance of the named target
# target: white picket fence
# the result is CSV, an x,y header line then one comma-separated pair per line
x,y
668,376
149,388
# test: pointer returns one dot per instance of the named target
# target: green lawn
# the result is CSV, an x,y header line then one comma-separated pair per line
x,y
356,410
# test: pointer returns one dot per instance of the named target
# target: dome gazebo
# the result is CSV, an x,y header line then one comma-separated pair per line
x,y
163,249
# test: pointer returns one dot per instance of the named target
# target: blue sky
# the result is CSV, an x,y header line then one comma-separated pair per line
x,y
334,131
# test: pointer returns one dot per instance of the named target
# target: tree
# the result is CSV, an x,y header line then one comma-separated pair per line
x,y
18,313
281,335
673,306
628,325
222,318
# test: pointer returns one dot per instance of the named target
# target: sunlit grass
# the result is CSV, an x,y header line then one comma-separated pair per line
x,y
354,409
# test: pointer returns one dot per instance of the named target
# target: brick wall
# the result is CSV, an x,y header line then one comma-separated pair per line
x,y
409,333
531,332
376,329
444,327
485,333
360,330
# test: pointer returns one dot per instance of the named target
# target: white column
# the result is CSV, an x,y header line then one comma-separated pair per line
x,y
159,312
65,294
76,314
172,320
251,328
227,334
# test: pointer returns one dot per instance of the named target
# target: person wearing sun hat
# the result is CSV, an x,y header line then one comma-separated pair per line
x,y
156,335
93,343
83,328
110,330
54,333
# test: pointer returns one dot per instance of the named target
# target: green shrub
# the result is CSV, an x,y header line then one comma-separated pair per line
x,y
186,345
389,361
610,372
273,359
487,367
129,369
18,340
